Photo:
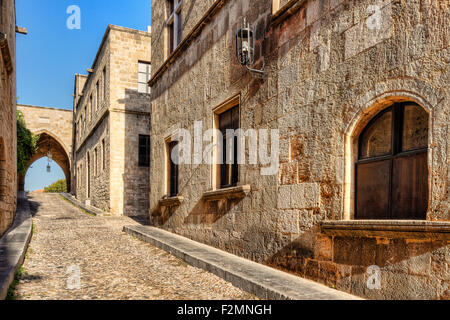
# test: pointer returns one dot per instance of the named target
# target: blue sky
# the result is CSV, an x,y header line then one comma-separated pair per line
x,y
50,55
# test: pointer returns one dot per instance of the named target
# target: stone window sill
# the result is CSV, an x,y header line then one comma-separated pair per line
x,y
414,229
228,193
171,202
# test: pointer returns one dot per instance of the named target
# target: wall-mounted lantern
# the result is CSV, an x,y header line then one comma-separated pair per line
x,y
245,48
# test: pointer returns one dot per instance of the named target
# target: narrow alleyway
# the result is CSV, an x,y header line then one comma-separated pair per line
x,y
113,265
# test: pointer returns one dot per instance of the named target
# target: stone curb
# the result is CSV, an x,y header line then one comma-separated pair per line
x,y
81,205
255,278
14,245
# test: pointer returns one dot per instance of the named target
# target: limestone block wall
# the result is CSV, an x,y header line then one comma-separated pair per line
x,y
57,122
92,123
122,115
191,13
8,137
326,76
130,116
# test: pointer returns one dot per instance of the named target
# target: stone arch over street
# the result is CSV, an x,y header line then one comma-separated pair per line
x,y
49,143
54,126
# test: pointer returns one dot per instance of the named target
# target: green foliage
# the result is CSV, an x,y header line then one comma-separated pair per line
x,y
11,295
57,187
26,144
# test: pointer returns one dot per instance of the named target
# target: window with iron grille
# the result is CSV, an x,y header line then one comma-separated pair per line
x,y
144,151
144,73
229,170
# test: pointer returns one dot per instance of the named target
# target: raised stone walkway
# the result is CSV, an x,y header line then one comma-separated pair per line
x,y
13,245
263,281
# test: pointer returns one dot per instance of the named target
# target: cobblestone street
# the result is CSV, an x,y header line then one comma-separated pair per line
x,y
113,265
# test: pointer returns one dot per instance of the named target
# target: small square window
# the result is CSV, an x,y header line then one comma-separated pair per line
x,y
144,75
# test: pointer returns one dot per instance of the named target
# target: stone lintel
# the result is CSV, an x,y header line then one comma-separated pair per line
x,y
227,193
171,202
411,229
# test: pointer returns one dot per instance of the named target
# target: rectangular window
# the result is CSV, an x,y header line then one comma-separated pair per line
x,y
144,73
104,83
173,170
97,96
95,162
229,170
90,108
103,155
1,11
174,24
144,151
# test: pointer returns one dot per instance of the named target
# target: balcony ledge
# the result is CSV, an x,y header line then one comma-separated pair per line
x,y
411,229
171,202
228,193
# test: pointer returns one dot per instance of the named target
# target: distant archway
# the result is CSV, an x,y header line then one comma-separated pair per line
x,y
48,142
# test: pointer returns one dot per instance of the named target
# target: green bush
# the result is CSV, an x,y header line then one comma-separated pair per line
x,y
57,187
26,144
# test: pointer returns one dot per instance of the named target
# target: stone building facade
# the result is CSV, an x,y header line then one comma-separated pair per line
x,y
8,137
111,120
340,77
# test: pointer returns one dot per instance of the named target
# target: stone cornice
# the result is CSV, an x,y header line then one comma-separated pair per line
x,y
184,45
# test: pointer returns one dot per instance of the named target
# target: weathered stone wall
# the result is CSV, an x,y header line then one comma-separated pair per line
x,y
327,74
8,137
191,12
56,122
122,115
130,117
92,129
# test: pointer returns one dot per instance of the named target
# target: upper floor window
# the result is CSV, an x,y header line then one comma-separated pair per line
x,y
90,108
229,170
173,24
104,83
144,151
103,155
173,174
144,73
97,95
392,169
1,11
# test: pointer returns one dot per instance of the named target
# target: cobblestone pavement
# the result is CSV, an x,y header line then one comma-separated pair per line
x,y
113,265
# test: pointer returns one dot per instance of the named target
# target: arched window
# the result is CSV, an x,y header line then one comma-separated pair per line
x,y
392,171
